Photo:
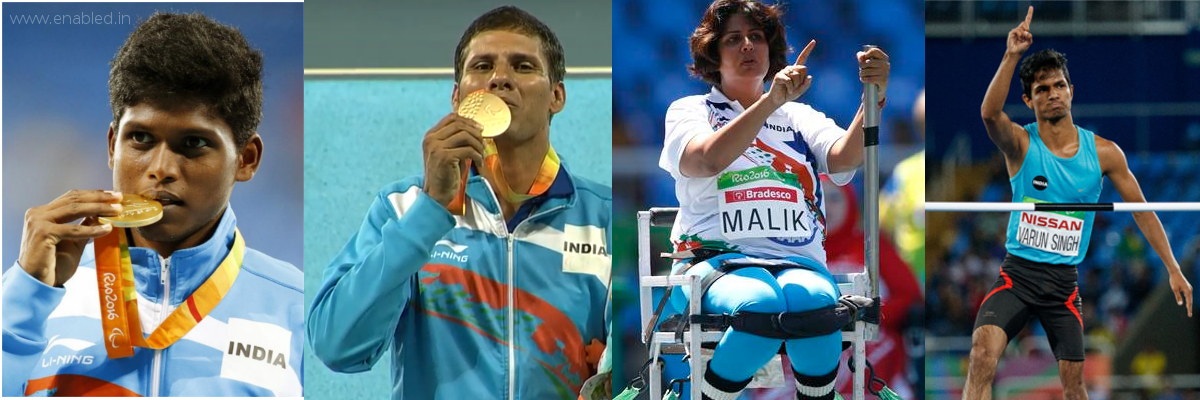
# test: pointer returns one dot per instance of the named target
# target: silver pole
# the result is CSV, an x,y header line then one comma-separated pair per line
x,y
871,181
644,297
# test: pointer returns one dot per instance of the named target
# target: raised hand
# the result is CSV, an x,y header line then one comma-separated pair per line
x,y
874,66
793,80
1019,38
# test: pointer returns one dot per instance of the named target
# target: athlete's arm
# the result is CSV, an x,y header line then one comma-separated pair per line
x,y
357,310
51,246
708,155
847,153
1008,136
29,304
1115,167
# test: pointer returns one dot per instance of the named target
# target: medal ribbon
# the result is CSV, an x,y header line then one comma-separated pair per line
x,y
541,183
495,173
118,297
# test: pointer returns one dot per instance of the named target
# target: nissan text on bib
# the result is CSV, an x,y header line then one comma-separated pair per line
x,y
761,202
1053,232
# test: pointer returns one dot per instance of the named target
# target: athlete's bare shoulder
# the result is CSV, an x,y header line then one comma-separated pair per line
x,y
1110,154
1105,147
1015,156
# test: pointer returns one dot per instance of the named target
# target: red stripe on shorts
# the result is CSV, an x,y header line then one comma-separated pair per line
x,y
1007,285
1071,306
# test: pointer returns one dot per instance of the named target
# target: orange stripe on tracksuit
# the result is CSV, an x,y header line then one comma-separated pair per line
x,y
69,385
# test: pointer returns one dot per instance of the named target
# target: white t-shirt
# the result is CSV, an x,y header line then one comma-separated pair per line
x,y
768,202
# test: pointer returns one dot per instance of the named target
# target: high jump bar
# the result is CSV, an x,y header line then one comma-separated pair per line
x,y
1011,207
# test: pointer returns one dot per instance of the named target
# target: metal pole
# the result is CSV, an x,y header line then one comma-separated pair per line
x,y
871,181
645,292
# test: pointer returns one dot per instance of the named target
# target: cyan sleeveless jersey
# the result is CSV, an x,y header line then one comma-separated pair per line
x,y
1054,237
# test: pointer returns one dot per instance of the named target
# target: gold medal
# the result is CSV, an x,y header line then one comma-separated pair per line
x,y
488,110
138,212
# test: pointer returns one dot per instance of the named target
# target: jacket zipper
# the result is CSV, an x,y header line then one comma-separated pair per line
x,y
164,277
512,339
512,304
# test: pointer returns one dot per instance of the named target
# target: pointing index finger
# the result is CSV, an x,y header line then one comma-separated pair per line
x,y
1028,17
804,53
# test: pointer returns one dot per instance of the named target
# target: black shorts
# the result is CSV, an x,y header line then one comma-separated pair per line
x,y
1048,291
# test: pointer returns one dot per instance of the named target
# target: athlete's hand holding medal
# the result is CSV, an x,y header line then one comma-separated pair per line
x,y
456,141
51,244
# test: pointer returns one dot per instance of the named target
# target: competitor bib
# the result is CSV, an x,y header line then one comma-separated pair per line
x,y
118,297
1053,232
761,202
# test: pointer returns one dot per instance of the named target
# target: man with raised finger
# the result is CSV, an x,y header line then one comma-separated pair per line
x,y
1050,160
494,290
156,292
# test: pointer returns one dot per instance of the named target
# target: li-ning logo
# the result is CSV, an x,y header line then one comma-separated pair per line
x,y
455,253
68,360
257,353
1040,182
72,344
585,248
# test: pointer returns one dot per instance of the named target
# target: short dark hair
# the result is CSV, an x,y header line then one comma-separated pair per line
x,y
516,20
172,59
706,56
1047,59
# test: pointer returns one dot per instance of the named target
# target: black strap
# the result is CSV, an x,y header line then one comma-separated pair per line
x,y
724,267
780,326
787,325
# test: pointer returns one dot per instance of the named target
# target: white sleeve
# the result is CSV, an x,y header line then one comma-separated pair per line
x,y
686,119
820,133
